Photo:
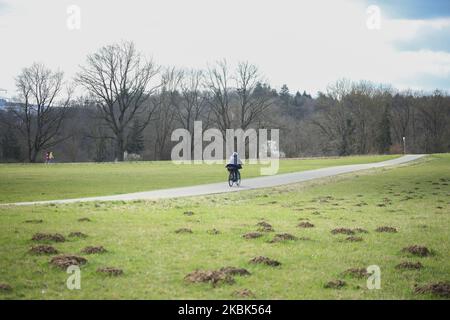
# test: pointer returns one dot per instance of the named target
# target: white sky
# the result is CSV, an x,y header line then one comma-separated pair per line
x,y
305,44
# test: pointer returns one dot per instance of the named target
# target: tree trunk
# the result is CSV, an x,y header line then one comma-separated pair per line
x,y
120,148
30,158
33,156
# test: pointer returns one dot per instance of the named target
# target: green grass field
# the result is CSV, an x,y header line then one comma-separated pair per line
x,y
140,239
25,182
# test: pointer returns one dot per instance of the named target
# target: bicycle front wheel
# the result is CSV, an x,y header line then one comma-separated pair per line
x,y
230,179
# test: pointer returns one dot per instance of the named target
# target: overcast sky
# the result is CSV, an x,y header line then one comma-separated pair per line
x,y
305,44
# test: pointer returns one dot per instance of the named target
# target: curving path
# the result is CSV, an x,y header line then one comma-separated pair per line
x,y
247,184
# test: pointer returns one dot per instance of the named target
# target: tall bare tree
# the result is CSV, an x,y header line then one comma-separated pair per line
x,y
217,81
166,103
42,107
119,80
401,113
194,101
251,106
334,118
435,114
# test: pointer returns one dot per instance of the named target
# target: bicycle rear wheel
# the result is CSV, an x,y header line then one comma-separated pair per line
x,y
238,178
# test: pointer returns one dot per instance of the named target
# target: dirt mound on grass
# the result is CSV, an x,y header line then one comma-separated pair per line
x,y
335,284
263,224
342,231
348,231
93,250
77,234
212,276
84,220
213,231
232,271
266,261
4,287
386,229
55,237
439,288
283,237
409,265
252,235
66,260
305,225
356,272
183,230
43,249
417,250
264,227
360,204
243,293
223,275
34,221
354,239
110,271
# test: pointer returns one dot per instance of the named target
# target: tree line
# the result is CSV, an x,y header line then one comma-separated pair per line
x,y
130,105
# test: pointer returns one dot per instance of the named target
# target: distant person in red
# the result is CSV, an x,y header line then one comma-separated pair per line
x,y
47,157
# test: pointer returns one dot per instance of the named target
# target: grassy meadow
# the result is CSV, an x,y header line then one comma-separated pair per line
x,y
34,182
410,202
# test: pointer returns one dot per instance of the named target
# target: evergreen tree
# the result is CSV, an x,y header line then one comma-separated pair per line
x,y
284,92
285,96
306,95
259,89
384,135
135,139
10,147
298,99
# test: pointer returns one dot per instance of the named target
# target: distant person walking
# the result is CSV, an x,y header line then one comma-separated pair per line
x,y
51,157
47,157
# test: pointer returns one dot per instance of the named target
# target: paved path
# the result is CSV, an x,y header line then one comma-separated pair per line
x,y
247,184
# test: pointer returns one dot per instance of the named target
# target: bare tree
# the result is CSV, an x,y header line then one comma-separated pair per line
x,y
166,104
365,103
217,81
251,106
401,113
334,118
42,108
194,101
435,114
118,78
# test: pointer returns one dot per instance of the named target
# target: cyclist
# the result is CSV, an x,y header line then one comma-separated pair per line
x,y
234,165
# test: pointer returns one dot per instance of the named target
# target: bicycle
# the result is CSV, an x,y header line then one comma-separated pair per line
x,y
234,177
